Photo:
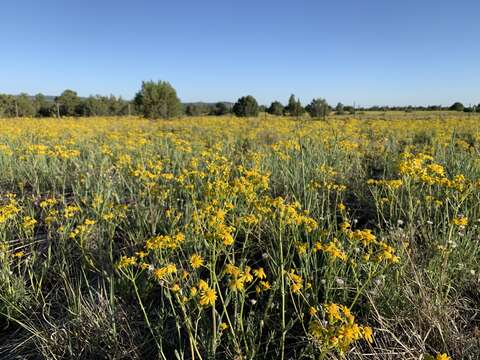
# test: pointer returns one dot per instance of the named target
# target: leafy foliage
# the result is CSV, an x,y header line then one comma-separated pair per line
x,y
458,106
158,100
276,108
69,103
220,109
246,106
340,109
294,107
318,108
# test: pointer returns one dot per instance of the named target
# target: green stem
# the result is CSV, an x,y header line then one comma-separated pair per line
x,y
159,346
282,285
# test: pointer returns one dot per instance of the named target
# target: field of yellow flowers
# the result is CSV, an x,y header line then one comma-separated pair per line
x,y
227,238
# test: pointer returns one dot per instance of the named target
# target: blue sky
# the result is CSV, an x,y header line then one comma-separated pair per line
x,y
367,51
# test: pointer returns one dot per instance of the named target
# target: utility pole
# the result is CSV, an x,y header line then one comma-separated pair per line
x,y
16,108
58,110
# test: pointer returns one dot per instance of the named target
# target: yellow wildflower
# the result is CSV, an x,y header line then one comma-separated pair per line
x,y
460,221
368,334
442,357
196,261
208,297
260,273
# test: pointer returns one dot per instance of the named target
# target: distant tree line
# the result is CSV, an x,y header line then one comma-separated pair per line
x,y
160,100
67,104
153,100
457,106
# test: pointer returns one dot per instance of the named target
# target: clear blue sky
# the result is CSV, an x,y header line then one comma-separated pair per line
x,y
367,51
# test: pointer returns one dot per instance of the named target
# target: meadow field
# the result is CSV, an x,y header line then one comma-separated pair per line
x,y
228,238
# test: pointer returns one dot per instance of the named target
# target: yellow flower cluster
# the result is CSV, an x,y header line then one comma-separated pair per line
x,y
54,151
333,248
421,168
162,242
296,281
82,229
391,184
371,246
340,330
289,214
9,210
164,271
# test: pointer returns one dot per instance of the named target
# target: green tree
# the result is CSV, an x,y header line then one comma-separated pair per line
x,y
294,107
158,100
318,108
193,110
68,103
339,109
246,106
43,108
220,109
276,108
7,105
103,106
96,106
117,106
24,106
458,106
